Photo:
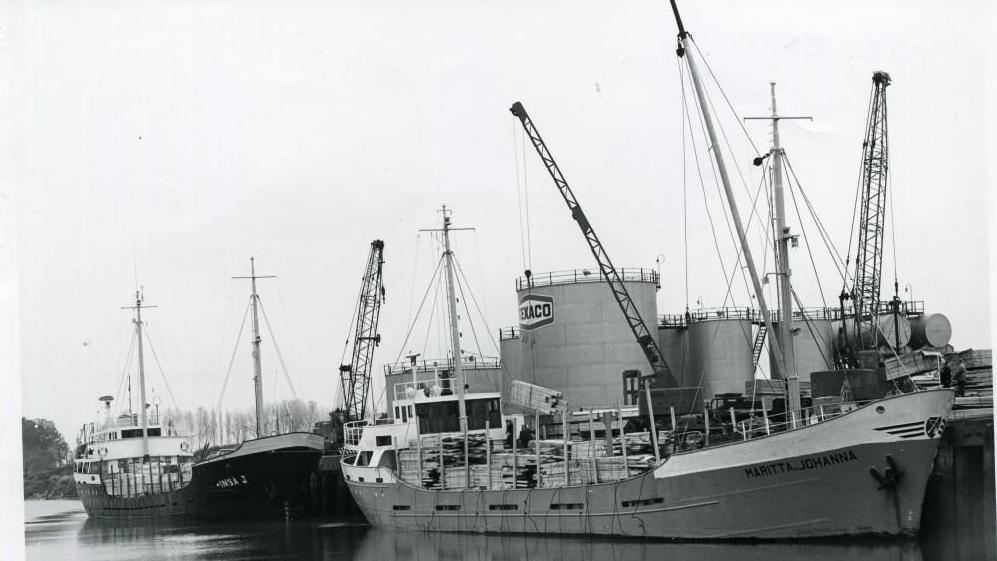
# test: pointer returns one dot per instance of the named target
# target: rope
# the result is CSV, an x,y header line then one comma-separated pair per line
x,y
858,188
484,318
231,361
806,241
128,363
162,373
519,195
280,356
825,235
419,311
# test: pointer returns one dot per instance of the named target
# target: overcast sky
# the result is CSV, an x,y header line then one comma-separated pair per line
x,y
166,142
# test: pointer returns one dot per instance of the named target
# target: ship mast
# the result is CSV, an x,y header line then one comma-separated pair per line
x,y
685,42
458,369
141,371
257,364
782,240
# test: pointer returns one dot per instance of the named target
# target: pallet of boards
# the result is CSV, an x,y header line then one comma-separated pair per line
x,y
535,397
910,364
974,358
553,474
588,449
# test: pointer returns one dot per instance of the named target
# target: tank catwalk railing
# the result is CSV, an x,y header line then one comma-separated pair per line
x,y
583,275
506,333
907,308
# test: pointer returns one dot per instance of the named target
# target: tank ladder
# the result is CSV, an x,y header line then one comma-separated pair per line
x,y
756,350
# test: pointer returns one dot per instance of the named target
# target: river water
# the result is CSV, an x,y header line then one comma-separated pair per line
x,y
60,530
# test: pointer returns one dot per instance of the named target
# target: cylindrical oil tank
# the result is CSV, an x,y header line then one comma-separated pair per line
x,y
881,333
930,330
720,353
813,345
574,338
674,343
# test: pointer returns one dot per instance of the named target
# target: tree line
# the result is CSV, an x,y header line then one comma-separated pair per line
x,y
213,427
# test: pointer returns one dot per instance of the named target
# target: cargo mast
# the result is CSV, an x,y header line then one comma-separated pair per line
x,y
781,369
141,370
257,364
354,377
782,240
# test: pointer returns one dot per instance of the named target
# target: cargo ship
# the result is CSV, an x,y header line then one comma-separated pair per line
x,y
450,463
794,468
134,465
265,477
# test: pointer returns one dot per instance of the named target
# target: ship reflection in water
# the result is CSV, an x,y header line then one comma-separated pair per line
x,y
61,530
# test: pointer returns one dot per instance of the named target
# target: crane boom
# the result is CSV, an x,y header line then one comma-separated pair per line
x,y
872,215
355,376
645,339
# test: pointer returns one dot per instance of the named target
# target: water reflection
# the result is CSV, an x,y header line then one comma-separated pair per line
x,y
417,546
61,530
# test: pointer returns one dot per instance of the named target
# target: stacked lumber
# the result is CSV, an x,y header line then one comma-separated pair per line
x,y
588,449
535,397
909,364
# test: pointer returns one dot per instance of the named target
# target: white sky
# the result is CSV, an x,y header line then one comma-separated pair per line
x,y
179,138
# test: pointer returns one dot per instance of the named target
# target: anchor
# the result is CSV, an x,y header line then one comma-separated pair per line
x,y
890,477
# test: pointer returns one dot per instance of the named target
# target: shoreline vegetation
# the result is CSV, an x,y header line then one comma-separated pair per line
x,y
48,467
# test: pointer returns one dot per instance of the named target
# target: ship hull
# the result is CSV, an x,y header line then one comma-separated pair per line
x,y
808,483
99,504
263,478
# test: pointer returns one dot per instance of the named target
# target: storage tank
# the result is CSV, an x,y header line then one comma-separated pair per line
x,y
882,334
573,337
813,342
720,344
673,339
930,330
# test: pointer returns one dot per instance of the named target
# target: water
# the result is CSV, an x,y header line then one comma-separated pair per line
x,y
61,530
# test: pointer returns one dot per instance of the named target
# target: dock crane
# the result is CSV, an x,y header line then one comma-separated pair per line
x,y
645,339
354,376
865,292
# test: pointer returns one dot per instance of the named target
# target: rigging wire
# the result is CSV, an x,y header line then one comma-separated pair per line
x,y
474,333
162,373
721,197
124,373
858,185
526,201
519,194
280,356
685,204
484,318
432,284
840,265
806,241
231,361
